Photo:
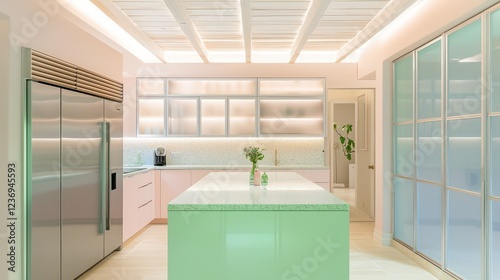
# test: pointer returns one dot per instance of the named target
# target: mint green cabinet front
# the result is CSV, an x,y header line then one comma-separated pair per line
x,y
264,245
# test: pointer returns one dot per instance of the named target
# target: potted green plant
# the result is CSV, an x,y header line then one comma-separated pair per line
x,y
346,143
254,154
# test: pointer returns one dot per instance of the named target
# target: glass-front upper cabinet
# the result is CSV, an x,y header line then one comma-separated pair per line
x,y
221,107
151,87
213,117
212,86
291,106
291,87
183,117
151,117
242,117
291,117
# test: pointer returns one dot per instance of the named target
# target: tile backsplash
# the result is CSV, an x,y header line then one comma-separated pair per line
x,y
223,151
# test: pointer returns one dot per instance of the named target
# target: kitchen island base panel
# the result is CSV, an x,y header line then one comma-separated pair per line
x,y
264,245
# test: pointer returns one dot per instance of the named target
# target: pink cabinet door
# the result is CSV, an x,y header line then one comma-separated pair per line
x,y
173,183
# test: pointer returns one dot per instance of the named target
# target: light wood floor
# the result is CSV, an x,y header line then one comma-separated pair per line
x,y
145,258
349,195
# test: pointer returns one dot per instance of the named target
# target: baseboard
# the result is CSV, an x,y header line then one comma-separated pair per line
x,y
425,264
382,238
338,185
131,238
160,221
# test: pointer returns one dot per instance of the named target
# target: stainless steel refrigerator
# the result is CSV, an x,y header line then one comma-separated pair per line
x,y
74,190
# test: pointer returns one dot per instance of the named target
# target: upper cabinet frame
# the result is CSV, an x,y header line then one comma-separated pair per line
x,y
292,117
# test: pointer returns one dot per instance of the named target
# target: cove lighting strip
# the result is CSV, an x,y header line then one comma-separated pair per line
x,y
96,18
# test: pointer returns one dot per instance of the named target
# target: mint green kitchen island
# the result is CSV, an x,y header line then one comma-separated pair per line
x,y
223,229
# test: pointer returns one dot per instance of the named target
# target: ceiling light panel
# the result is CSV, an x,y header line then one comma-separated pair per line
x,y
218,23
156,21
275,24
341,22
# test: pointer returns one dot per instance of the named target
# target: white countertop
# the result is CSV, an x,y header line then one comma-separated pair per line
x,y
263,168
221,191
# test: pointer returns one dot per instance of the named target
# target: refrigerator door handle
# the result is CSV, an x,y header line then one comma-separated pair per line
x,y
105,171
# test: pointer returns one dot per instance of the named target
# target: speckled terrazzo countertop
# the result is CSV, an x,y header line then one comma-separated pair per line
x,y
223,191
241,167
146,168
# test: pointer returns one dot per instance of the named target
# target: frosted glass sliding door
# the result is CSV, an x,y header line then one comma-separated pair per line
x,y
494,152
446,118
494,65
429,147
403,89
464,154
494,249
464,251
429,81
404,142
464,237
464,70
403,210
430,221
403,150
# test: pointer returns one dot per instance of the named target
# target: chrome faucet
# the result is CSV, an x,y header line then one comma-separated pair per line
x,y
276,160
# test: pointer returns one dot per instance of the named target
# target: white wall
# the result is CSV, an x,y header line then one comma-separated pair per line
x,y
429,19
42,25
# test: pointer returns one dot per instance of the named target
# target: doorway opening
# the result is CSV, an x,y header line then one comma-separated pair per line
x,y
353,180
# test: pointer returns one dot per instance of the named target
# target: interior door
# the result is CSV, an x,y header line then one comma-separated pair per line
x,y
365,154
81,204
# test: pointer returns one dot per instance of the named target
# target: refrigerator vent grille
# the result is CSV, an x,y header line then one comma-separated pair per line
x,y
51,70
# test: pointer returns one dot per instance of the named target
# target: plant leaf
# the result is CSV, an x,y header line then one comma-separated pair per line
x,y
348,128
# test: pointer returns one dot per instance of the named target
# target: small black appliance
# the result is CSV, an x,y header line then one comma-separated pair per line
x,y
160,157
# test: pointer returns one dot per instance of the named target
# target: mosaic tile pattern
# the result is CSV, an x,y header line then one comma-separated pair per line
x,y
223,151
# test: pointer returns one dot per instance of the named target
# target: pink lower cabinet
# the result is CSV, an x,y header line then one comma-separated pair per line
x,y
320,177
138,202
173,183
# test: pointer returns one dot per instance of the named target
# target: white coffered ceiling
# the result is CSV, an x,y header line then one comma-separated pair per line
x,y
252,30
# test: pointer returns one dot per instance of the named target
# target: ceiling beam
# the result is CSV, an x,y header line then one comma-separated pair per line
x,y
116,14
316,11
181,16
246,21
384,18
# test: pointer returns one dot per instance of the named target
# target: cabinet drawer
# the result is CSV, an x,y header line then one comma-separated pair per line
x,y
145,192
145,214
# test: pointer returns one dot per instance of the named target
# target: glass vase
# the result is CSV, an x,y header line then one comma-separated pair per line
x,y
252,173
